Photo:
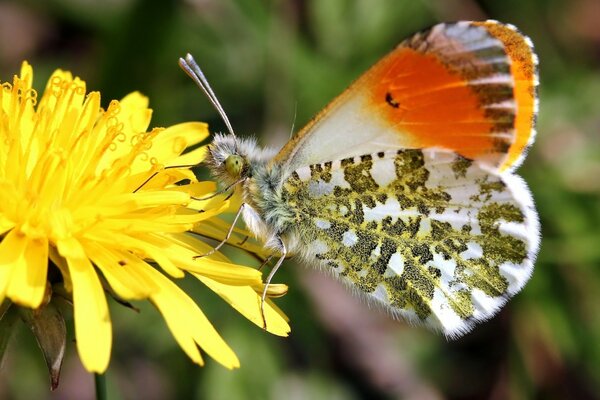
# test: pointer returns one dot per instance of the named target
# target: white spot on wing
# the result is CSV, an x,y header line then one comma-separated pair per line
x,y
322,224
375,254
390,208
383,171
473,251
396,264
349,238
447,268
424,227
320,188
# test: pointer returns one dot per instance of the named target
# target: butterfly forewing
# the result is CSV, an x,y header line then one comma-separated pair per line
x,y
429,234
467,87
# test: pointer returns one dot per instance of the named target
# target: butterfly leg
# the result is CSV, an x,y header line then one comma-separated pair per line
x,y
217,247
283,250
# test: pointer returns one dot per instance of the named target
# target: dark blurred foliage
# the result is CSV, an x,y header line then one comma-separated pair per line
x,y
273,65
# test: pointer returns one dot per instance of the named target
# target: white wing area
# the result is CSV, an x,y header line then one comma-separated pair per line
x,y
432,237
348,129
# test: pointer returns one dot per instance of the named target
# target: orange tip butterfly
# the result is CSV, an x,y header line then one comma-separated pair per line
x,y
403,187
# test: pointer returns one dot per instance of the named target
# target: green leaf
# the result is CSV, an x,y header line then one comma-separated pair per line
x,y
48,327
8,317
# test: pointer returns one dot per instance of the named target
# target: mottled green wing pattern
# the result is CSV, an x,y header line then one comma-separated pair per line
x,y
432,236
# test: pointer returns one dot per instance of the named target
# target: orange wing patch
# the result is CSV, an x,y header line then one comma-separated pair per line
x,y
468,87
432,103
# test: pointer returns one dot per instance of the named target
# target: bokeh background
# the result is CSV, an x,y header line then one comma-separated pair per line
x,y
274,64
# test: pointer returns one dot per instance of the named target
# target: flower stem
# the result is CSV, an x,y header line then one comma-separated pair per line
x,y
100,382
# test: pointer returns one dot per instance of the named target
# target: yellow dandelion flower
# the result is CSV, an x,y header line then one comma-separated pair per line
x,y
75,195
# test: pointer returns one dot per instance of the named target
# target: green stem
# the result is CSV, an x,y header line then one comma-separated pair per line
x,y
100,382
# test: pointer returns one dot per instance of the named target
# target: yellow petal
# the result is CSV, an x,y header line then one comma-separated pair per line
x,y
278,310
149,245
121,272
92,322
188,324
153,178
274,290
247,302
210,212
203,188
193,157
28,281
70,248
135,113
26,74
173,138
227,273
61,263
216,229
183,259
172,141
164,261
199,247
85,124
214,205
11,253
5,224
9,198
157,198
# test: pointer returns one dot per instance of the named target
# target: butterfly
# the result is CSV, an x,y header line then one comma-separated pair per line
x,y
403,187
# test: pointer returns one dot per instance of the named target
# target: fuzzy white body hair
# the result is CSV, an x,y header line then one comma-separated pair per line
x,y
266,215
224,146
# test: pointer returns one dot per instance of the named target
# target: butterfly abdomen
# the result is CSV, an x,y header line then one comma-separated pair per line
x,y
273,217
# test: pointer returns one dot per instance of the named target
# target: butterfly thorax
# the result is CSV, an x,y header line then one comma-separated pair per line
x,y
245,165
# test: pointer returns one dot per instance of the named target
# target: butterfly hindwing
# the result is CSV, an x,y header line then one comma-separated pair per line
x,y
429,234
469,87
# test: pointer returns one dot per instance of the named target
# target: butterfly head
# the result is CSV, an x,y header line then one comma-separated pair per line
x,y
226,159
230,158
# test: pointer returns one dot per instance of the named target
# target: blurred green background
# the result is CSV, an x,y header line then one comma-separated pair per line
x,y
273,65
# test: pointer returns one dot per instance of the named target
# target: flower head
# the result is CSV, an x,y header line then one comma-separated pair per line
x,y
85,197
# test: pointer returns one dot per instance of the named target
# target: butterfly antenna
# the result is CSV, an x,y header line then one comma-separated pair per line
x,y
189,65
294,120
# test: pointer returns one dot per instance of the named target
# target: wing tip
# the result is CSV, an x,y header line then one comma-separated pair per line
x,y
525,71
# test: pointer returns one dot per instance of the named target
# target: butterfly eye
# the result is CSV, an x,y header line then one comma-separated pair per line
x,y
234,165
